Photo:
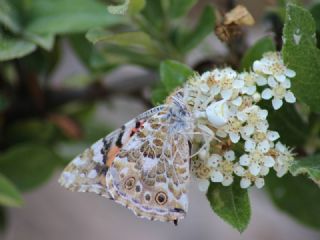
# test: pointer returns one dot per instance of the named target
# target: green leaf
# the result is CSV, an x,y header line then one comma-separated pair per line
x,y
159,95
263,45
9,17
14,48
30,131
301,54
67,16
231,204
90,56
309,166
287,121
154,15
28,165
125,39
45,41
179,8
136,6
191,39
118,55
173,74
131,6
9,195
296,196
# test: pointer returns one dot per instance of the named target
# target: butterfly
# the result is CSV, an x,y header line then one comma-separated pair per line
x,y
144,165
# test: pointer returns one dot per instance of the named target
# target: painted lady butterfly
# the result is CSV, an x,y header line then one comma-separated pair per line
x,y
144,165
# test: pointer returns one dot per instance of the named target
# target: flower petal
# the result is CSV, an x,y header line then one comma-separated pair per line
x,y
237,101
277,103
269,161
226,94
290,73
280,77
238,84
249,145
289,97
261,81
239,171
272,82
234,137
259,182
229,155
203,185
254,169
251,90
244,160
272,135
267,94
227,181
286,83
248,130
263,146
217,177
245,183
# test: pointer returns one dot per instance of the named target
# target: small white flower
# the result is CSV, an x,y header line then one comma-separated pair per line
x,y
278,91
255,160
283,160
223,168
218,113
255,119
226,82
272,64
261,140
250,81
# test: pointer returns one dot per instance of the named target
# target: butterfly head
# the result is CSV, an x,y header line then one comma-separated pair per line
x,y
178,113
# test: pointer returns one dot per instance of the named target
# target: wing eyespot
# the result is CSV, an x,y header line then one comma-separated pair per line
x,y
130,183
161,198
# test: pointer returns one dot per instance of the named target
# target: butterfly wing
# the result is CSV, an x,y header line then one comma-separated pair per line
x,y
151,172
87,172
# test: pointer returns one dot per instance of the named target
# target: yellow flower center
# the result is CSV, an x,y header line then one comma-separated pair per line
x,y
279,92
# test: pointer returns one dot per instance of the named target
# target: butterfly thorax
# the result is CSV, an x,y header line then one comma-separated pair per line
x,y
178,115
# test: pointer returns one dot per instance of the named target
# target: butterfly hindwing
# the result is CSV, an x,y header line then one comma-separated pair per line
x,y
87,172
151,172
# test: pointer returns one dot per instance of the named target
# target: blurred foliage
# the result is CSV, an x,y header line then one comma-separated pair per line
x,y
42,127
9,195
297,196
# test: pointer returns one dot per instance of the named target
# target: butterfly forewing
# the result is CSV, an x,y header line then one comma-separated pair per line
x,y
87,172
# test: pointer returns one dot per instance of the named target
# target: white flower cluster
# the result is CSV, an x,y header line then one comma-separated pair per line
x,y
234,138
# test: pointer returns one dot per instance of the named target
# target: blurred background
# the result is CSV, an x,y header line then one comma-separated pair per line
x,y
59,93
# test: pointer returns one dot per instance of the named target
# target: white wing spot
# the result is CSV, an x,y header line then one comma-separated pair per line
x,y
68,178
92,174
96,148
78,162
